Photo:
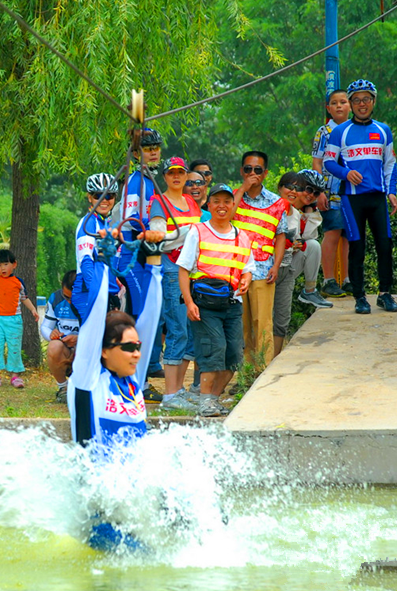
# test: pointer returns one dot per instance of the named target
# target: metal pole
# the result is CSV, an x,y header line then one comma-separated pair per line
x,y
332,78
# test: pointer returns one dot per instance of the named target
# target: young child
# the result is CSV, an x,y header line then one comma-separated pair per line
x,y
329,204
12,293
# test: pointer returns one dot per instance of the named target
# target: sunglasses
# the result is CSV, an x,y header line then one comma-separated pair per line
x,y
198,183
311,191
150,148
108,197
295,188
129,347
257,169
206,172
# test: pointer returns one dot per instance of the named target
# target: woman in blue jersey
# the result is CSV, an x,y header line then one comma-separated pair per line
x,y
105,390
86,248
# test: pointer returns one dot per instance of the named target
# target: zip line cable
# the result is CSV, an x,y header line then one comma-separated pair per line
x,y
25,25
109,98
281,70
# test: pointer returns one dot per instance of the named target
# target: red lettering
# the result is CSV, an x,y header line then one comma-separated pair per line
x,y
111,406
330,154
359,151
86,245
350,153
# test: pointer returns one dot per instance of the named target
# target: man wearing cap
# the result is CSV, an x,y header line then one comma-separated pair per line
x,y
360,153
219,251
261,214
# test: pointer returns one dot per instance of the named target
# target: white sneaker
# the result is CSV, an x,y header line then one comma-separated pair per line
x,y
210,407
179,402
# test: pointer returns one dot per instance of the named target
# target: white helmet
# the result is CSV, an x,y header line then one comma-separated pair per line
x,y
97,183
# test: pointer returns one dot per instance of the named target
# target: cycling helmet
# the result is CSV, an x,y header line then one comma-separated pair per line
x,y
361,86
151,137
97,183
313,178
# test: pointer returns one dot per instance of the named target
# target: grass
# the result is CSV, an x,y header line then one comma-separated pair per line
x,y
36,400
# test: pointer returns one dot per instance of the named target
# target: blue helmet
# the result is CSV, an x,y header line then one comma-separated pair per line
x,y
361,86
313,178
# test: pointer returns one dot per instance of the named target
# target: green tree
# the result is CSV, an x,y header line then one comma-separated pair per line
x,y
52,120
282,114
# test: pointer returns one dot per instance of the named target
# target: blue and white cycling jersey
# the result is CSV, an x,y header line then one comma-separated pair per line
x,y
86,255
366,148
59,315
133,198
101,404
320,143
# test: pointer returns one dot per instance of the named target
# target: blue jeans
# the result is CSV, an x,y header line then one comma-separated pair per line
x,y
179,338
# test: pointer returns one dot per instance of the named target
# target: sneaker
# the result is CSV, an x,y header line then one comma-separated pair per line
x,y
314,298
17,382
362,306
210,407
386,302
347,288
156,374
332,290
194,389
61,395
151,395
179,402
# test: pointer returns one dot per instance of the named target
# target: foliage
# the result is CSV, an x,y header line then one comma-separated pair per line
x,y
56,247
282,114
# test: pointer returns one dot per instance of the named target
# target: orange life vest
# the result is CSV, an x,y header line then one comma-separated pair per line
x,y
260,225
221,258
182,218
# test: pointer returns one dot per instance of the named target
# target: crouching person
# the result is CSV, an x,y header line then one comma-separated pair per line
x,y
60,328
215,269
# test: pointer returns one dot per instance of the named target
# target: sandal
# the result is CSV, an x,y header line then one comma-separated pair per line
x,y
17,382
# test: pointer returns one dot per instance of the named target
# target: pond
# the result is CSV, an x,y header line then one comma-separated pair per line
x,y
208,513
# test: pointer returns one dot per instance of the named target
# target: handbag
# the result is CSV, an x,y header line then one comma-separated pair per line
x,y
211,293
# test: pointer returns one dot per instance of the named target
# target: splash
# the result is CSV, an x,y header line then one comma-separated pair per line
x,y
194,497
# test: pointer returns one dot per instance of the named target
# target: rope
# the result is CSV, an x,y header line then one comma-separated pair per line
x,y
108,250
197,103
42,40
263,78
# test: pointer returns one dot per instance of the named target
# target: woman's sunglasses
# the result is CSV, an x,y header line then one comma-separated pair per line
x,y
311,191
130,347
295,188
198,183
108,197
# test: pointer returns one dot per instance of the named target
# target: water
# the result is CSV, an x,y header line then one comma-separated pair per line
x,y
210,515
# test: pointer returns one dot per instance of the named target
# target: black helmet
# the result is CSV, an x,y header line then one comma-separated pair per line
x,y
151,137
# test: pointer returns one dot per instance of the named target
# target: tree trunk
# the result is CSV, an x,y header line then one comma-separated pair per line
x,y
23,243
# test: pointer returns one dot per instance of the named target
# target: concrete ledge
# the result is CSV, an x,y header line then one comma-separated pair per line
x,y
326,408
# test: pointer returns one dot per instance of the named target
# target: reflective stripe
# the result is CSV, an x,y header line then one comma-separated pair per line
x,y
265,247
183,220
254,228
224,248
221,262
259,215
218,276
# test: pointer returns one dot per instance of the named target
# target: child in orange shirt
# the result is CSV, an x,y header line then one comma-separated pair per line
x,y
12,294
